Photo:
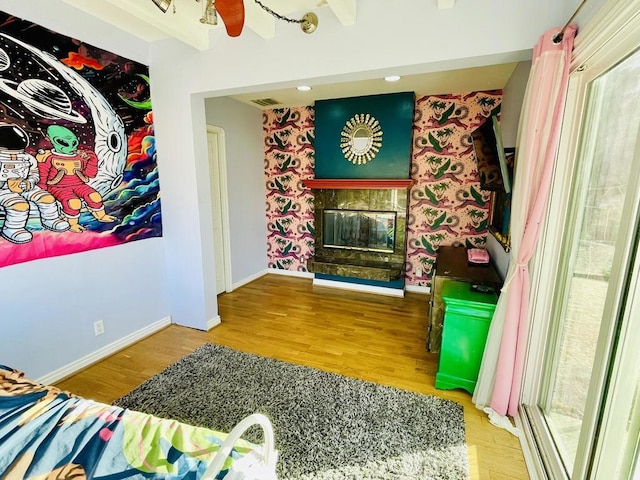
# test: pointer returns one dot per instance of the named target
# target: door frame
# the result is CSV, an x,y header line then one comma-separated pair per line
x,y
224,201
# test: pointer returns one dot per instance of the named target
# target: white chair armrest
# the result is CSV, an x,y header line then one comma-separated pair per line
x,y
266,470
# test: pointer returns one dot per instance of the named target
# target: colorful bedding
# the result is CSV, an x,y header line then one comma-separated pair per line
x,y
46,433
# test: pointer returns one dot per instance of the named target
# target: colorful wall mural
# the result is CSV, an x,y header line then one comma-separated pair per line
x,y
289,159
77,150
447,206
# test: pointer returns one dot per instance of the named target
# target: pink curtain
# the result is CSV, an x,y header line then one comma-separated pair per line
x,y
537,146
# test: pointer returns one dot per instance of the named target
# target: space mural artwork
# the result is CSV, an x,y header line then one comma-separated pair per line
x,y
77,148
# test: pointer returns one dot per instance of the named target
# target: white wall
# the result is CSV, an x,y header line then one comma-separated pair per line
x,y
499,257
587,11
48,306
186,207
242,125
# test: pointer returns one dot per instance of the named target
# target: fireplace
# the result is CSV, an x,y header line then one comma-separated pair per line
x,y
362,168
360,229
364,230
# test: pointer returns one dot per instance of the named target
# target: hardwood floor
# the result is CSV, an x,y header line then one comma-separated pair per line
x,y
371,337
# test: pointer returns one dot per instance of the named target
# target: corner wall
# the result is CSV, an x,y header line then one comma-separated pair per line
x,y
447,205
513,96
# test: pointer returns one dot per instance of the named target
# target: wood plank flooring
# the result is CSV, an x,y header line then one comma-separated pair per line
x,y
371,337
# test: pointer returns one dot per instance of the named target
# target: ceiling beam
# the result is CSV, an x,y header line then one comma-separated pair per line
x,y
442,4
184,24
261,22
345,10
116,16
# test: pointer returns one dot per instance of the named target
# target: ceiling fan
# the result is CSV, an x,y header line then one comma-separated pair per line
x,y
232,13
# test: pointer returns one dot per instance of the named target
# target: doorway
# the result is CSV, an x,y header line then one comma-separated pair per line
x,y
219,207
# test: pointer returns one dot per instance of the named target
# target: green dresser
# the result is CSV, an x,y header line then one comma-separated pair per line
x,y
467,316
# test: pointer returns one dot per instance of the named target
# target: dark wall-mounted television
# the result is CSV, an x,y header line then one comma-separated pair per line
x,y
489,150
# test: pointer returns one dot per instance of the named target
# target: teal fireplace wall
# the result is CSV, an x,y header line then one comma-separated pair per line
x,y
394,112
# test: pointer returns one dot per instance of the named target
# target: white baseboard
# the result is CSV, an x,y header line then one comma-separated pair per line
x,y
418,289
103,352
289,273
214,322
275,271
248,279
394,292
358,287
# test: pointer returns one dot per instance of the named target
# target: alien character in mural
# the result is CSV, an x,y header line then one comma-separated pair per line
x,y
65,171
51,93
19,186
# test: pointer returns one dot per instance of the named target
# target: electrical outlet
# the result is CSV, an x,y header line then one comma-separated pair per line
x,y
98,327
418,272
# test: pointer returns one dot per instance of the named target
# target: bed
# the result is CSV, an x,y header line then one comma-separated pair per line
x,y
48,434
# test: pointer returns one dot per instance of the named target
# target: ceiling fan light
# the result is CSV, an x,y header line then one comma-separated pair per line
x,y
163,5
209,14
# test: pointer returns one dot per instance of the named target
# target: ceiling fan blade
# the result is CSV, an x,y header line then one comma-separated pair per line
x,y
232,13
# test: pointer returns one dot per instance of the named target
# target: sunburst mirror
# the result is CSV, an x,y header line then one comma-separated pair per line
x,y
361,138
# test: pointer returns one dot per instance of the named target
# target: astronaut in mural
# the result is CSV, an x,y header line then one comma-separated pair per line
x,y
65,171
19,186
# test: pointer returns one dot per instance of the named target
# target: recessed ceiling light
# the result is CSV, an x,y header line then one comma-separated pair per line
x,y
392,78
304,88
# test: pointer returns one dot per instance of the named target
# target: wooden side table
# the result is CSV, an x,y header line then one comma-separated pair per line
x,y
452,264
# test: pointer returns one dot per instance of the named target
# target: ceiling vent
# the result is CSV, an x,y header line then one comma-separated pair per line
x,y
265,102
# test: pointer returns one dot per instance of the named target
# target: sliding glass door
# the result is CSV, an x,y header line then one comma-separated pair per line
x,y
592,286
586,416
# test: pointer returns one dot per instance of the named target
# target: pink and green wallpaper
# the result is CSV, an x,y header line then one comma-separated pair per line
x,y
446,207
289,159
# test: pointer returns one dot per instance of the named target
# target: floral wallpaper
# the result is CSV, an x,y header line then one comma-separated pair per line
x,y
289,159
446,206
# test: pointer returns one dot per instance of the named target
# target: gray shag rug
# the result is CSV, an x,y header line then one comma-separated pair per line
x,y
327,426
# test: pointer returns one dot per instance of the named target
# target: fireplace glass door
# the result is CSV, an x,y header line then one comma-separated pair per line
x,y
359,230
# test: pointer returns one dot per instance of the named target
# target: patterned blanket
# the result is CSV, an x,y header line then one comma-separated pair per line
x,y
46,433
